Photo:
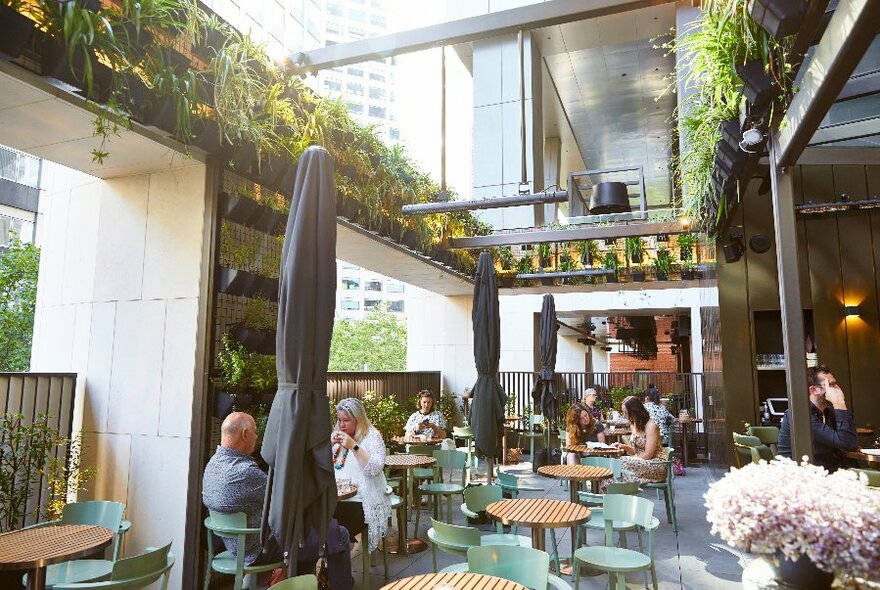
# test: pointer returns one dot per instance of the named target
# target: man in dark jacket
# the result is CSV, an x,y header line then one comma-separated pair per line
x,y
834,432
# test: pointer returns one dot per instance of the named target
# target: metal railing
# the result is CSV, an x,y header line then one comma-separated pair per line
x,y
403,386
33,394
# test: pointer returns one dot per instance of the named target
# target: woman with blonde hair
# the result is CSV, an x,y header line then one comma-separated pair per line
x,y
581,427
359,456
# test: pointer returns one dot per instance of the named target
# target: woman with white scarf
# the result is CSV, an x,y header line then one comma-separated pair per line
x,y
359,456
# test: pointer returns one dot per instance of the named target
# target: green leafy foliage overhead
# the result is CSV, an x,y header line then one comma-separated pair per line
x,y
19,268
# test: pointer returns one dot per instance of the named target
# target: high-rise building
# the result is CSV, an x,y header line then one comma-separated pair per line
x,y
360,291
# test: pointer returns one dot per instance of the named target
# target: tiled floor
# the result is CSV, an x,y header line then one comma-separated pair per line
x,y
691,559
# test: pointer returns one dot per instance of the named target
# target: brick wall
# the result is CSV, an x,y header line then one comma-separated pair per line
x,y
665,361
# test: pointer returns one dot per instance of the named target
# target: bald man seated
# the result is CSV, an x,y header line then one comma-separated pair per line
x,y
233,482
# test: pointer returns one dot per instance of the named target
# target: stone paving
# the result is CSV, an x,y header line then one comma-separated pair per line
x,y
690,559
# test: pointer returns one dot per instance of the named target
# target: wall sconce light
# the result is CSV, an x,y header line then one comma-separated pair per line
x,y
851,311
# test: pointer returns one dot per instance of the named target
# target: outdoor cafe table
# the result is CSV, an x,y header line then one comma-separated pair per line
x,y
32,550
616,431
415,545
575,474
864,457
453,581
538,514
685,425
346,492
594,451
411,440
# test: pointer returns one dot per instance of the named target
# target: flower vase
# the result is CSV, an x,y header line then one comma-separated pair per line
x,y
802,573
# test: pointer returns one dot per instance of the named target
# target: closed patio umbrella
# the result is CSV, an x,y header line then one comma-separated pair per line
x,y
544,393
301,493
487,406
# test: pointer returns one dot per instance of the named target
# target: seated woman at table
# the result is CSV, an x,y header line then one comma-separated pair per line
x,y
426,421
581,427
359,456
643,461
659,414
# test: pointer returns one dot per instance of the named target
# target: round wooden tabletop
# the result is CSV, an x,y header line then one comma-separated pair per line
x,y
346,492
538,512
866,457
689,420
409,440
43,546
575,472
594,451
616,431
453,581
512,418
408,461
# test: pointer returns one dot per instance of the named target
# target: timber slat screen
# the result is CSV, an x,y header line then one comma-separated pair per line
x,y
33,394
402,386
681,388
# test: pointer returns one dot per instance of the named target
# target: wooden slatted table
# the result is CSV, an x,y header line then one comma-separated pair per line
x,y
453,581
616,431
538,514
346,492
32,550
405,545
409,440
864,457
594,451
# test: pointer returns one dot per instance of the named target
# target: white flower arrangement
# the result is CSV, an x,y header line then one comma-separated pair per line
x,y
799,509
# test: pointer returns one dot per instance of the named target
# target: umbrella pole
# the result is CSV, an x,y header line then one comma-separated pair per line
x,y
489,465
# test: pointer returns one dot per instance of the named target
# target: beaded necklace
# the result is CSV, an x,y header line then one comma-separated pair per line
x,y
336,453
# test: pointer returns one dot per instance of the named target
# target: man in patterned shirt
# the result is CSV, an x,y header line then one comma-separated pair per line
x,y
233,482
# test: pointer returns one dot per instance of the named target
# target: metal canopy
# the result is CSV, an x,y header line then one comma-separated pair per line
x,y
484,26
849,34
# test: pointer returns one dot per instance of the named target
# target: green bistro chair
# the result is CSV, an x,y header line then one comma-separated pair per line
x,y
397,508
612,464
666,487
132,572
510,484
445,460
768,435
618,561
476,499
232,525
597,515
419,475
522,565
873,476
304,582
529,433
751,442
106,514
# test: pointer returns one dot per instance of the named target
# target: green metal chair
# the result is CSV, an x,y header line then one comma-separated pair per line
x,y
522,565
476,499
452,539
419,474
304,582
445,460
510,484
232,525
396,507
751,442
529,433
463,437
873,476
132,572
101,513
666,487
612,464
768,435
597,515
618,560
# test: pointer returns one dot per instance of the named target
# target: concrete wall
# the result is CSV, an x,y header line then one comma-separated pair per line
x,y
117,304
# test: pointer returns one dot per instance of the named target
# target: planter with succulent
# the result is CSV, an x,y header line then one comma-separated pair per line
x,y
611,262
808,524
686,243
662,263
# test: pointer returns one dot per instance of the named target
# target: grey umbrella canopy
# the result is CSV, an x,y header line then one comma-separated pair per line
x,y
302,489
487,407
544,393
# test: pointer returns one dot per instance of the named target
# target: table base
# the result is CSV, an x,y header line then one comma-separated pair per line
x,y
412,546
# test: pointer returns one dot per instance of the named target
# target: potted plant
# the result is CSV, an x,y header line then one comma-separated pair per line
x,y
637,273
808,523
544,251
524,266
612,263
635,249
688,270
256,332
686,243
662,263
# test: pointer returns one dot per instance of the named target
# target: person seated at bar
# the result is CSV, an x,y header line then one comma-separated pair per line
x,y
659,414
644,458
589,401
581,427
233,482
832,425
426,420
359,457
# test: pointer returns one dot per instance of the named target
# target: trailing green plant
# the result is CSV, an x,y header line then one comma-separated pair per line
x,y
544,250
242,370
260,313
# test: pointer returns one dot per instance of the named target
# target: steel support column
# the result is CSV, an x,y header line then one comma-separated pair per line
x,y
791,305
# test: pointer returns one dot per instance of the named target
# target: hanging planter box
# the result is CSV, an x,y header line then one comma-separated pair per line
x,y
259,341
758,85
244,158
270,221
688,274
240,283
54,64
225,402
637,276
212,41
17,31
206,135
160,112
245,211
730,131
780,18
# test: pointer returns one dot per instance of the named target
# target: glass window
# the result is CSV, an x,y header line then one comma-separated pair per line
x,y
334,85
349,265
334,10
376,77
395,287
350,304
394,133
333,29
356,89
396,306
356,33
355,108
378,112
371,304
377,20
10,225
376,3
356,72
358,16
373,285
377,93
350,283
